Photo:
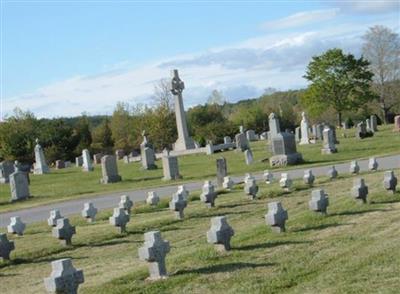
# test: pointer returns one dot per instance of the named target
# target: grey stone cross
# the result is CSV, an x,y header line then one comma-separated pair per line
x,y
54,216
228,183
319,201
372,164
276,217
64,278
208,194
152,198
359,190
119,219
390,181
308,177
332,173
154,251
178,204
126,203
268,177
16,226
354,167
220,233
6,247
89,212
250,187
64,231
177,85
285,182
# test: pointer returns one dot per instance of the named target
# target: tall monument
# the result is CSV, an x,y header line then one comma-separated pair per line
x,y
184,142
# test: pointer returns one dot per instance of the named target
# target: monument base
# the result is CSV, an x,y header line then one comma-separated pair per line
x,y
184,144
109,180
284,160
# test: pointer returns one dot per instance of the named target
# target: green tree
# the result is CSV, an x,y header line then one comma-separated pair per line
x,y
339,81
102,137
82,134
121,127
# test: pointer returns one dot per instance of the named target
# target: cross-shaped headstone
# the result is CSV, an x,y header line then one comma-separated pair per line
x,y
64,231
208,194
54,216
250,187
390,181
373,164
89,212
178,204
6,247
354,167
16,226
276,217
285,182
126,203
154,251
152,198
177,85
319,201
228,183
308,177
268,177
332,173
182,190
64,278
359,190
119,219
220,233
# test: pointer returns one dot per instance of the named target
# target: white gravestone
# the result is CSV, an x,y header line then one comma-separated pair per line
x,y
40,161
87,165
390,181
119,219
304,126
276,217
208,194
152,198
64,231
319,201
16,226
220,233
89,212
359,191
54,216
228,183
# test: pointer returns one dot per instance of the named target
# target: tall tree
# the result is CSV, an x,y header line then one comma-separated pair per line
x,y
121,127
83,134
102,137
382,49
339,81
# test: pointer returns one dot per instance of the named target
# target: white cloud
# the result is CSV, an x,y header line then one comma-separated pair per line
x,y
369,6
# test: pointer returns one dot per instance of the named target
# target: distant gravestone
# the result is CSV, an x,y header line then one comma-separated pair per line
x,y
308,177
264,136
368,125
6,169
87,162
54,216
241,141
251,135
126,159
64,231
332,173
154,252
148,158
328,141
297,134
109,170
89,212
97,158
78,161
220,233
152,198
268,177
60,164
276,217
227,140
126,204
319,201
228,183
208,194
119,153
119,219
354,167
177,204
170,168
40,161
222,170
250,187
16,226
359,190
397,123
182,190
285,182
64,278
362,131
390,181
19,185
6,247
248,155
319,128
374,123
304,126
372,164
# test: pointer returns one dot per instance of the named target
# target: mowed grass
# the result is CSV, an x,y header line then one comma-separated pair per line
x,y
353,249
71,183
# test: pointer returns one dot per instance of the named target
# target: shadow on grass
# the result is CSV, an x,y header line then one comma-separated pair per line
x,y
32,260
236,205
142,179
269,245
319,227
208,215
223,268
355,212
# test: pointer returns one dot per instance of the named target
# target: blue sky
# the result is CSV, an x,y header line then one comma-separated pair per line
x,y
61,58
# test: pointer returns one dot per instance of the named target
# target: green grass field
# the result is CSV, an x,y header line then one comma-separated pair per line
x,y
354,249
73,183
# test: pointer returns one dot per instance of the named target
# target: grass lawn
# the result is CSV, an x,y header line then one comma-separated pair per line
x,y
73,183
354,249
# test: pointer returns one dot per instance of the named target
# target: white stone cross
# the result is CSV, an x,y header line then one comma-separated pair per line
x,y
276,217
89,212
373,164
285,182
54,216
250,187
119,219
152,198
6,247
359,190
390,181
208,194
64,231
154,251
16,226
228,183
332,173
319,201
308,177
126,203
178,204
354,167
268,177
220,233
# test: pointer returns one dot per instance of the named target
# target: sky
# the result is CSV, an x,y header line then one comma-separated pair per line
x,y
63,58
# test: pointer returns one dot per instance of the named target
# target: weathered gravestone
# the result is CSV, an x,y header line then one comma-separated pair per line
x,y
222,170
276,217
285,182
64,278
241,141
304,126
250,187
359,190
374,123
40,161
119,153
268,177
178,204
54,216
6,247
390,181
60,164
297,134
248,155
79,161
148,158
208,194
228,183
97,158
251,135
119,219
332,173
283,145
227,140
87,162
16,226
319,201
308,177
328,141
354,167
170,168
154,251
126,203
89,212
152,198
362,132
19,185
220,233
372,164
182,190
368,125
397,123
109,170
6,169
64,231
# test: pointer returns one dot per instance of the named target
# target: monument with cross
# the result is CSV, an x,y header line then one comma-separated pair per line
x,y
184,141
64,278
